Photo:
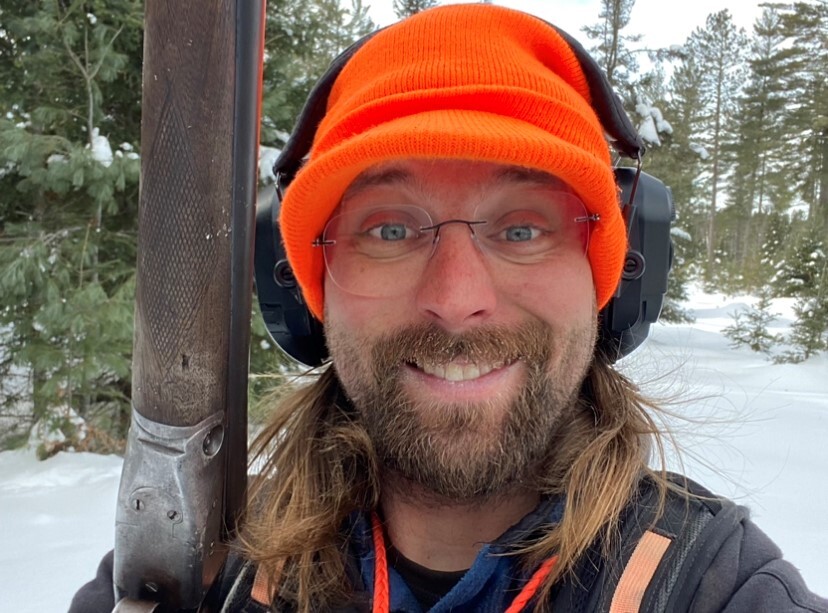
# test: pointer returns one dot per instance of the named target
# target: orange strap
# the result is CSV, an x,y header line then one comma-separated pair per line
x,y
382,592
263,590
638,573
528,591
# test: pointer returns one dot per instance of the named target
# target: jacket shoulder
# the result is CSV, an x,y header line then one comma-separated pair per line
x,y
98,595
720,561
748,574
696,553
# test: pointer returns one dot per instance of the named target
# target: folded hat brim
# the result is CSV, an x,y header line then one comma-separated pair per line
x,y
449,134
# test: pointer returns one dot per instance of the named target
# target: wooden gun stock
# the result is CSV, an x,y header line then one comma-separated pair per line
x,y
184,481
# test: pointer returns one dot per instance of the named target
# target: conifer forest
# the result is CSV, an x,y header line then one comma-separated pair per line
x,y
736,123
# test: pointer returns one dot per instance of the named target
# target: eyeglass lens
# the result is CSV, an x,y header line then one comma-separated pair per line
x,y
384,251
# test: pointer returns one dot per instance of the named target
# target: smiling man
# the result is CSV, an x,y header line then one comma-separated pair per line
x,y
445,329
456,226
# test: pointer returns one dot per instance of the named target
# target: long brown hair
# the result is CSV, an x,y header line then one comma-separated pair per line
x,y
316,466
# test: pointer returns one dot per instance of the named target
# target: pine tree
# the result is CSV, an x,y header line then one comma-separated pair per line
x,y
801,271
406,8
612,46
806,126
809,333
685,154
68,241
301,39
750,327
718,49
777,229
760,183
679,162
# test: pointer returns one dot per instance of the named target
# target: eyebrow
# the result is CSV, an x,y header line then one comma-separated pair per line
x,y
387,176
398,176
518,174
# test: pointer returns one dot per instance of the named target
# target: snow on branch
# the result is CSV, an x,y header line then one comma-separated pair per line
x,y
652,122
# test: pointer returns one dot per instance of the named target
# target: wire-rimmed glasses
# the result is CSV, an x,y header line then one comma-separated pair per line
x,y
380,251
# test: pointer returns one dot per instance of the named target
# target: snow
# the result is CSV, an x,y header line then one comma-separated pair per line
x,y
101,149
652,122
700,150
56,521
128,151
282,135
680,233
267,158
648,131
751,430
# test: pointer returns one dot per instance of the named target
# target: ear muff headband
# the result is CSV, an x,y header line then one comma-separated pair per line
x,y
301,139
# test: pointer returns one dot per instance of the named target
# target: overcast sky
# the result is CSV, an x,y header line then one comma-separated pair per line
x,y
661,22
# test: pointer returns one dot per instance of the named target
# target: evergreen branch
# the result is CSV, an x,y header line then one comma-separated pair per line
x,y
105,52
69,10
83,255
46,238
75,59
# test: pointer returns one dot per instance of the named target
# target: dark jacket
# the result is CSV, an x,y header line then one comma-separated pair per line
x,y
714,559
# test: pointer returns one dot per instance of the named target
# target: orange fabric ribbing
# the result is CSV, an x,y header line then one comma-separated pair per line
x,y
476,82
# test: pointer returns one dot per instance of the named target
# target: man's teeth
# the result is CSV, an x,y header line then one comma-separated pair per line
x,y
458,372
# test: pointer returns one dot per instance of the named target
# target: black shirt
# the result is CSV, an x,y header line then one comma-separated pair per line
x,y
428,586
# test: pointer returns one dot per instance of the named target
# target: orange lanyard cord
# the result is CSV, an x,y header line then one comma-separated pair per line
x,y
382,591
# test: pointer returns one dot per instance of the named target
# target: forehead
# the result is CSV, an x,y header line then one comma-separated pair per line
x,y
472,178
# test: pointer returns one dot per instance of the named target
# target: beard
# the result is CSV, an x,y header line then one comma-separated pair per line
x,y
461,452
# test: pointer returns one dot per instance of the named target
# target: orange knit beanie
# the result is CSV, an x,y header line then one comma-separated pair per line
x,y
463,81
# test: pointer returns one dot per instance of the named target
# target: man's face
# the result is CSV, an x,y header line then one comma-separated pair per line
x,y
466,359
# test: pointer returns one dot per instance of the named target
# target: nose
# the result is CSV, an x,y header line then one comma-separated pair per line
x,y
456,289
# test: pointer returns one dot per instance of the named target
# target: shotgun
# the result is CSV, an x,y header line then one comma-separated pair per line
x,y
183,486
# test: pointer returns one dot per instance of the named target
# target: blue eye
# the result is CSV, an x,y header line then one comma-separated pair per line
x,y
521,233
391,232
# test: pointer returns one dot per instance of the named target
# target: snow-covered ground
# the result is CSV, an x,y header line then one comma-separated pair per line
x,y
749,429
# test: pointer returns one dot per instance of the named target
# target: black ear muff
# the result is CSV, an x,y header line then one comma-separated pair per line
x,y
646,204
648,213
288,320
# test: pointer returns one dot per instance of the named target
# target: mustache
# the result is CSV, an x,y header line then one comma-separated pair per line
x,y
531,342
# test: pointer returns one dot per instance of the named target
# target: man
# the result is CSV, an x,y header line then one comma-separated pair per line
x,y
457,229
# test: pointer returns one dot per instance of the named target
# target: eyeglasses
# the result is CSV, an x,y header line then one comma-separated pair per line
x,y
383,251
